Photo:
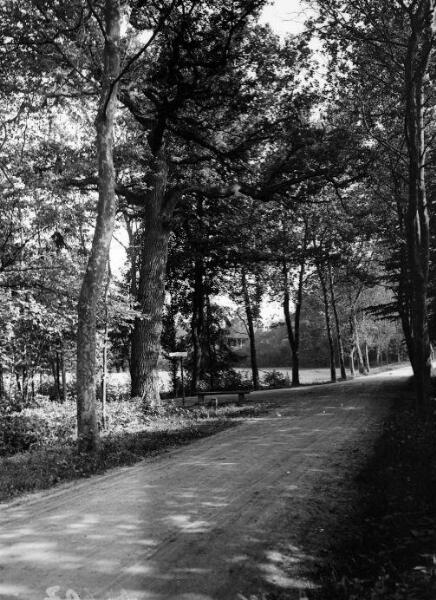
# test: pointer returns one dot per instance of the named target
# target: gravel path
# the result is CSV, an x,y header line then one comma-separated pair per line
x,y
228,517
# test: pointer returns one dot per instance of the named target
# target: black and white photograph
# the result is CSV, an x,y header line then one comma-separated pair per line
x,y
217,300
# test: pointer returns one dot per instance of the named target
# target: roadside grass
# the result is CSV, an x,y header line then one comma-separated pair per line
x,y
388,549
130,438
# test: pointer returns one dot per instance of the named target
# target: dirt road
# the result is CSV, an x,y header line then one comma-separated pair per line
x,y
230,517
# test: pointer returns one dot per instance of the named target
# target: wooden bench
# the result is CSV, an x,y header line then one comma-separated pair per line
x,y
241,396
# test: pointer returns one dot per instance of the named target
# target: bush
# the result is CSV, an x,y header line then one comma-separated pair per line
x,y
19,433
232,380
275,379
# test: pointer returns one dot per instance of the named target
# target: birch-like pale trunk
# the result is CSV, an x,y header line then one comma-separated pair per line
x,y
92,284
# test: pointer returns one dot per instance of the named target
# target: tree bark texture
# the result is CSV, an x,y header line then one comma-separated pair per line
x,y
146,337
106,208
417,214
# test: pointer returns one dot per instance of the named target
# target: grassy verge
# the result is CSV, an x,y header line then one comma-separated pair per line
x,y
125,444
388,549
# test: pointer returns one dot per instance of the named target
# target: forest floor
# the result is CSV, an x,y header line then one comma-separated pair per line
x,y
261,511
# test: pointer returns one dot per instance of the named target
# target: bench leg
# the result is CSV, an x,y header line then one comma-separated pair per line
x,y
241,397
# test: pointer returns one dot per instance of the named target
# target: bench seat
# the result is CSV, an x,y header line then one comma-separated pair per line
x,y
240,393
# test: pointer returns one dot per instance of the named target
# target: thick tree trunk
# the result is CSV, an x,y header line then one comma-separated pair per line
x,y
250,328
417,215
338,325
106,209
146,342
323,283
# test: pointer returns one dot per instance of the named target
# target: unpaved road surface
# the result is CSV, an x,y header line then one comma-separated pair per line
x,y
225,518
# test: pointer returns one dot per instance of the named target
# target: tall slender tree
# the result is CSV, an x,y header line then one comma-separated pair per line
x,y
115,15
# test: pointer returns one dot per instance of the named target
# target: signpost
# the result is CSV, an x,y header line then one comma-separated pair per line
x,y
180,355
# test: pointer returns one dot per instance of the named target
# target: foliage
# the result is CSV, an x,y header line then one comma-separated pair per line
x,y
232,380
276,380
19,433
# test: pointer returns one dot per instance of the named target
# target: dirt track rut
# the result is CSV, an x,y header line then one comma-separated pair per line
x,y
225,518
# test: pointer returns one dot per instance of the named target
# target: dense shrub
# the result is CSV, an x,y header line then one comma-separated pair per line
x,y
276,379
232,380
20,432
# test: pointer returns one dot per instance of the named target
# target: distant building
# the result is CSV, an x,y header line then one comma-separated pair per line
x,y
234,333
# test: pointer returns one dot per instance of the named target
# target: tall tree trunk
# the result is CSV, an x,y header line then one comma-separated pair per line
x,y
323,282
293,332
55,386
212,357
250,328
197,326
106,210
64,372
352,369
337,325
366,356
417,216
105,351
146,342
132,253
356,343
290,331
197,320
